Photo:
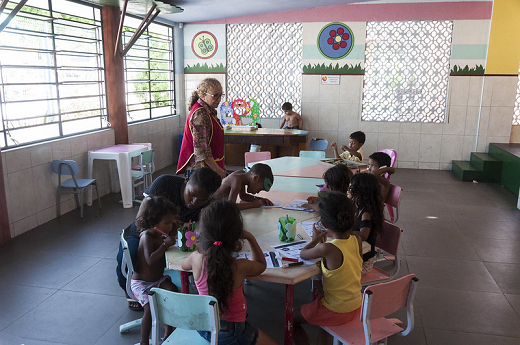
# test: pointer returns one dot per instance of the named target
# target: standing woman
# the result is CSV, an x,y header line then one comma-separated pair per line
x,y
203,142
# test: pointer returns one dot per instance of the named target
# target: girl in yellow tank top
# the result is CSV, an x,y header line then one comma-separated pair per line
x,y
341,266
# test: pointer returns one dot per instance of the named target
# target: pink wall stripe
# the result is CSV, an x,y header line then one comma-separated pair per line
x,y
371,12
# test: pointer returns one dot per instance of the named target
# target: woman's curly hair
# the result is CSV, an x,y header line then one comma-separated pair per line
x,y
337,211
366,194
202,89
221,226
152,212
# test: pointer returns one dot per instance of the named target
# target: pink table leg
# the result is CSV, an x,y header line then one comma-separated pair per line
x,y
289,312
185,283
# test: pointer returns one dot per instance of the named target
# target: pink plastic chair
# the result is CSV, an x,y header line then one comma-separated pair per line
x,y
392,202
393,158
251,157
388,241
379,301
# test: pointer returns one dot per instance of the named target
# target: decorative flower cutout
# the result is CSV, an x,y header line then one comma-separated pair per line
x,y
335,40
191,238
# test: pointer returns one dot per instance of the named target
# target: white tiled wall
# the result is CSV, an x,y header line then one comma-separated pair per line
x,y
31,184
334,111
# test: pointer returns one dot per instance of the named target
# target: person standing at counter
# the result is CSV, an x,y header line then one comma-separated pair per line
x,y
203,142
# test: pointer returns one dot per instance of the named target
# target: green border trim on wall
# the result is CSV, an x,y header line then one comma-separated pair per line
x,y
205,68
323,69
477,70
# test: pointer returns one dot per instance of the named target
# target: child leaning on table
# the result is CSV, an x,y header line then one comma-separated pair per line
x,y
341,267
353,151
337,179
379,165
258,178
156,222
219,274
365,192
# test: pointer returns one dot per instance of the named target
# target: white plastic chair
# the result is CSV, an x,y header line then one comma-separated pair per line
x,y
187,313
379,301
73,185
127,269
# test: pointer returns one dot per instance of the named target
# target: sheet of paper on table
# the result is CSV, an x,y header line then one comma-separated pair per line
x,y
276,204
307,226
296,205
272,260
292,250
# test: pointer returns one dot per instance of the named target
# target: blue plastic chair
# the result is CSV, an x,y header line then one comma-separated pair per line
x,y
319,144
73,185
313,154
187,313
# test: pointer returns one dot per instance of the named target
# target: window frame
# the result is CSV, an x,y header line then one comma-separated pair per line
x,y
57,72
126,35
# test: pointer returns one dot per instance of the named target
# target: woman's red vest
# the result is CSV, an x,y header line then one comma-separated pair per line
x,y
216,141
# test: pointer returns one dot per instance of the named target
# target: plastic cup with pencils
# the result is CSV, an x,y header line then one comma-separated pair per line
x,y
187,237
286,228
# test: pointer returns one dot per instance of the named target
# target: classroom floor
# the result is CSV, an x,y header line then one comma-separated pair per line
x,y
461,240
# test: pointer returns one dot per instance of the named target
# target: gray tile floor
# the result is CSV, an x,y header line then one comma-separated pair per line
x,y
59,287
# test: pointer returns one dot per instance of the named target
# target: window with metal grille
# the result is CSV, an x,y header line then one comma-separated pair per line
x,y
516,114
51,72
407,69
149,72
264,62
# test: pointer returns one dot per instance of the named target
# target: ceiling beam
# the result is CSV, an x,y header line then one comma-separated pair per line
x,y
142,27
12,14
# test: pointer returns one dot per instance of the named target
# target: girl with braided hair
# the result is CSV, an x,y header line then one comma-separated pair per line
x,y
217,273
366,194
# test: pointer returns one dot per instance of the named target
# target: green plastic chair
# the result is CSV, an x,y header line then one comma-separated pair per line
x,y
313,154
145,169
187,313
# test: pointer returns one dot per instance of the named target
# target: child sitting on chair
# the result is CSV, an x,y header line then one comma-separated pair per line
x,y
259,178
291,119
340,265
337,179
366,195
353,151
156,223
379,166
219,274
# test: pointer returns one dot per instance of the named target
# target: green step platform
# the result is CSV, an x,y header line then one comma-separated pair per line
x,y
482,167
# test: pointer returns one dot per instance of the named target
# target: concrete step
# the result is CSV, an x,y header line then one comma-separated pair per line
x,y
465,171
490,166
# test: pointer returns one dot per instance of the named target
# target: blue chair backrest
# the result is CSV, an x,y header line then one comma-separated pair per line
x,y
67,167
319,144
